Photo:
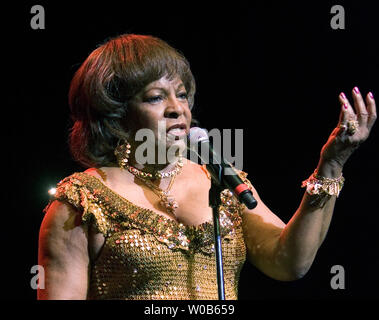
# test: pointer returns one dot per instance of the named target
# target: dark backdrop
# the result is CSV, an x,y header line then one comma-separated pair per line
x,y
273,70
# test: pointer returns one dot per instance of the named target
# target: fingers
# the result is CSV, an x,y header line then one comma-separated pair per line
x,y
347,112
371,108
365,113
341,127
360,107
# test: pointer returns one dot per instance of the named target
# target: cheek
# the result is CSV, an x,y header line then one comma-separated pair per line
x,y
142,119
188,116
150,121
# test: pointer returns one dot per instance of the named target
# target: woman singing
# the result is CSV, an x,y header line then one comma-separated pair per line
x,y
124,229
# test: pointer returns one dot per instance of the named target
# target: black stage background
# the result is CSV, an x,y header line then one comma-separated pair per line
x,y
273,70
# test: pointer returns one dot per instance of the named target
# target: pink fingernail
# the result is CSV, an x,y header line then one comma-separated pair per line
x,y
343,95
345,106
356,90
371,95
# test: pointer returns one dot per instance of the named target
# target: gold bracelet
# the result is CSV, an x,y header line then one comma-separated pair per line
x,y
319,185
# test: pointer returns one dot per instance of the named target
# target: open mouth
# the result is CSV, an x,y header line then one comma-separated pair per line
x,y
177,130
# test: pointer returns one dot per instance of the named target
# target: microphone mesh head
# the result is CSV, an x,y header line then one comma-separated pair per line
x,y
197,135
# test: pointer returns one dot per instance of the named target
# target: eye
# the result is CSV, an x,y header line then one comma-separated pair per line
x,y
153,99
183,95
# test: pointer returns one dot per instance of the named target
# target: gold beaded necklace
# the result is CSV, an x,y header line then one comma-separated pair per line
x,y
122,152
156,175
167,201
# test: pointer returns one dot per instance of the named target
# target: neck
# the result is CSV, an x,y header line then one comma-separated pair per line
x,y
127,159
153,168
155,171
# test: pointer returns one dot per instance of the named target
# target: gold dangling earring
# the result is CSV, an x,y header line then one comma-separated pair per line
x,y
122,153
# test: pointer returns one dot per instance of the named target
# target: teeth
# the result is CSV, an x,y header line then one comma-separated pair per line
x,y
176,130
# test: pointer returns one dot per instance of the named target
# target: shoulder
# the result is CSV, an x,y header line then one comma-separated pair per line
x,y
64,209
99,173
73,186
72,195
111,177
195,171
61,215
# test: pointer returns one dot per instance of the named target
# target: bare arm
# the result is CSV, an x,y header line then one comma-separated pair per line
x,y
286,252
63,252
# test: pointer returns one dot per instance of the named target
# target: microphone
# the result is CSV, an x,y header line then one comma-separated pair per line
x,y
221,171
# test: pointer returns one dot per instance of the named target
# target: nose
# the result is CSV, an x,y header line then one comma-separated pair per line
x,y
174,108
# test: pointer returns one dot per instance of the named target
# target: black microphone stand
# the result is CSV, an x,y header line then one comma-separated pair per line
x,y
214,203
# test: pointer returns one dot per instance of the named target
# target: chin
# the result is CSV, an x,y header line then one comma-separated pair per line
x,y
175,148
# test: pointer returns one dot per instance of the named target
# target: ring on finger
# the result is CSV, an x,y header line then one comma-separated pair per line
x,y
352,127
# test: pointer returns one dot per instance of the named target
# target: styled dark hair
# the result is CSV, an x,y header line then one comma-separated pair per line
x,y
102,87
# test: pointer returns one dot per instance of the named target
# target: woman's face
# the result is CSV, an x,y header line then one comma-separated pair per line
x,y
162,107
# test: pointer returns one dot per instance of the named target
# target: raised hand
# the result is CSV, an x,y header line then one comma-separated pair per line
x,y
353,128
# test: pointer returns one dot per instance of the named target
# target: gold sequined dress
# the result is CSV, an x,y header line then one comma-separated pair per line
x,y
147,256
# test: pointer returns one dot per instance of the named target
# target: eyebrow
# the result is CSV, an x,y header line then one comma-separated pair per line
x,y
163,88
